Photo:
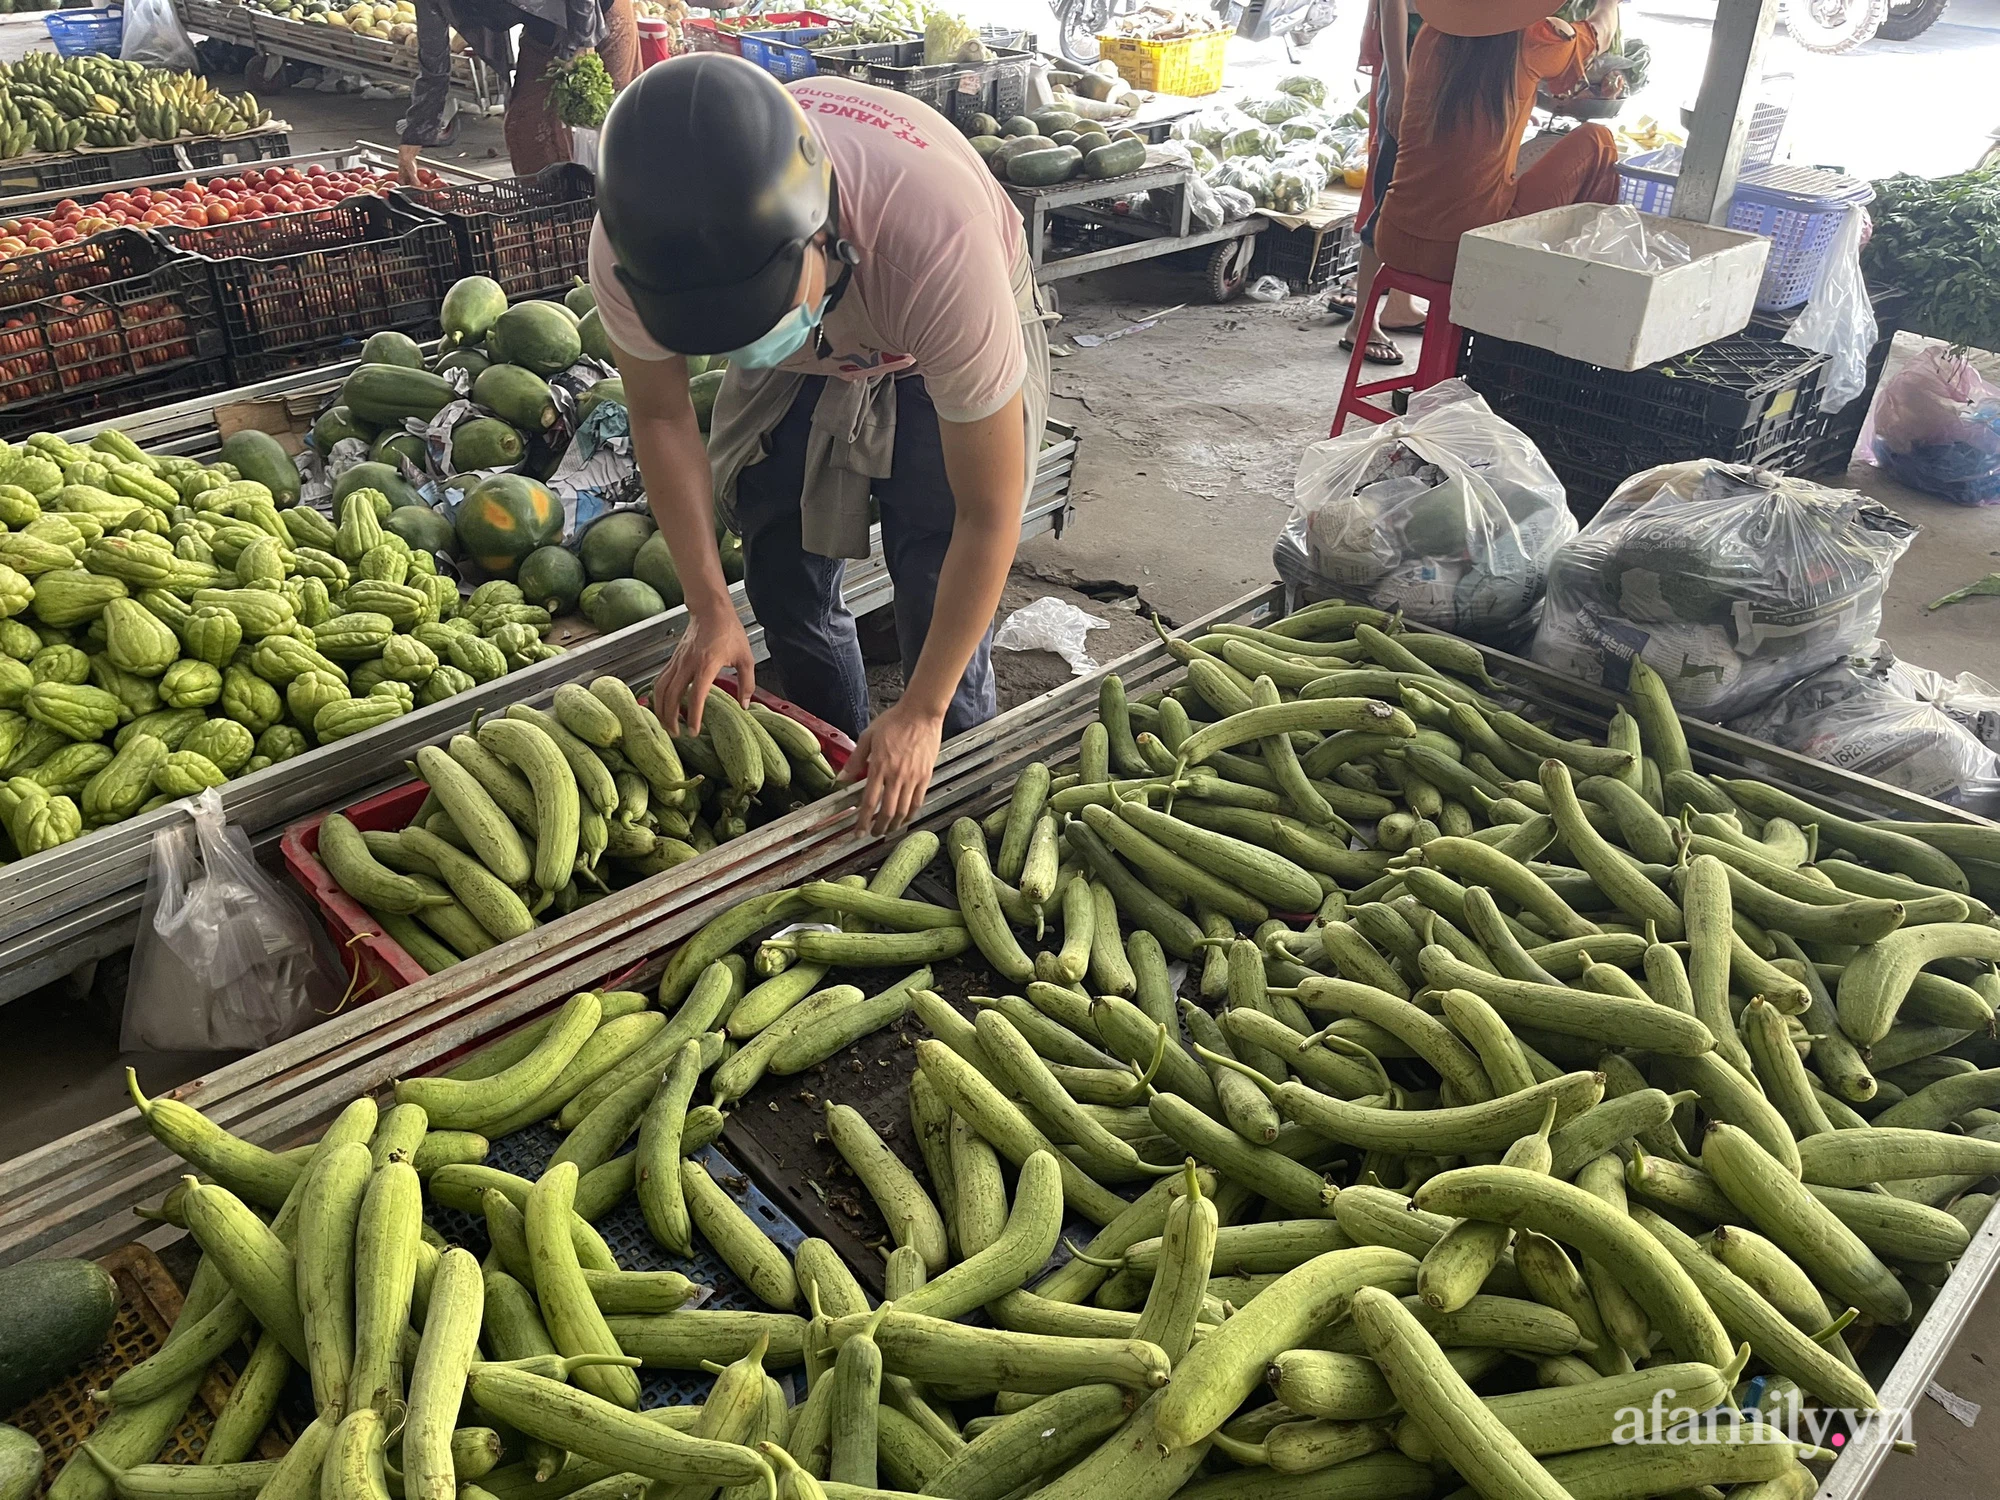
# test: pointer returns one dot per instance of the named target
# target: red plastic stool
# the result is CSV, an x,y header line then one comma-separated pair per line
x,y
1437,361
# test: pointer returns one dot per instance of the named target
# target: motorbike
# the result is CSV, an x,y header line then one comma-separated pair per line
x,y
1991,158
1837,26
1079,23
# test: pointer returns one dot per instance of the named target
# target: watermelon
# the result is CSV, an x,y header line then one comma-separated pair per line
x,y
552,578
505,518
424,529
612,542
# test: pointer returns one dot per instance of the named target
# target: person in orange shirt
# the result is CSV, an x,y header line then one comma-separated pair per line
x,y
1472,79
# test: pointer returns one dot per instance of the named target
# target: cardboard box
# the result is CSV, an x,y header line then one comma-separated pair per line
x,y
1512,285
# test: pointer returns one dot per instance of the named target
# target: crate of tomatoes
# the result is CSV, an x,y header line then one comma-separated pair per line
x,y
293,287
86,315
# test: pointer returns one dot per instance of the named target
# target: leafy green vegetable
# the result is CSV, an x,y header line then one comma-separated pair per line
x,y
1939,240
580,89
1990,584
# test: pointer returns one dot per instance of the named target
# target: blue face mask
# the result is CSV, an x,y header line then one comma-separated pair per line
x,y
783,341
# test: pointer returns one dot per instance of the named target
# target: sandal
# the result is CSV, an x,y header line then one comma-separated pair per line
x,y
1339,307
1380,351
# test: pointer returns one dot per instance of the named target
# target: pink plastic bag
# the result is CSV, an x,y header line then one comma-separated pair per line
x,y
1936,427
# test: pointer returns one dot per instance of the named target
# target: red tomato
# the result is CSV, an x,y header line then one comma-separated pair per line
x,y
315,170
218,213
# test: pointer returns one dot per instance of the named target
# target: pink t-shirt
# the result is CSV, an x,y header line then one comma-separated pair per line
x,y
939,241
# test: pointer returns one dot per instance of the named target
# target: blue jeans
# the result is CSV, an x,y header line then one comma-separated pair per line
x,y
796,593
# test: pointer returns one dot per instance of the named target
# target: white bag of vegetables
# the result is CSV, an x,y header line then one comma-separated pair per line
x,y
1732,583
1449,514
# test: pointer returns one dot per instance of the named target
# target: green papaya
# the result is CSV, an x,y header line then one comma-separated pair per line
x,y
392,348
596,342
257,455
605,390
702,391
612,542
517,395
375,476
624,601
553,578
485,443
539,335
580,299
392,447
470,309
469,360
337,422
653,565
424,529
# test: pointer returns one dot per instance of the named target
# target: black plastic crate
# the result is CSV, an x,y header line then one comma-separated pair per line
x,y
99,313
526,1154
1730,399
997,87
78,169
59,413
1593,462
1830,440
226,151
530,234
1311,259
295,287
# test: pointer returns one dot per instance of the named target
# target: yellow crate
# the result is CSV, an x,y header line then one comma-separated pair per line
x,y
1188,66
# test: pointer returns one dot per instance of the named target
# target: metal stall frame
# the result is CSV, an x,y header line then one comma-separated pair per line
x,y
80,901
77,1195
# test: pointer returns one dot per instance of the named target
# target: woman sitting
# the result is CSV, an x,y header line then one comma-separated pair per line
x,y
1472,79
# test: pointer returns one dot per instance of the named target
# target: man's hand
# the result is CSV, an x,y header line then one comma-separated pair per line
x,y
708,647
406,164
896,754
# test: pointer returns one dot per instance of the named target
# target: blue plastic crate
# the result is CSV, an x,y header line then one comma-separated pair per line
x,y
79,33
526,1153
1798,209
783,53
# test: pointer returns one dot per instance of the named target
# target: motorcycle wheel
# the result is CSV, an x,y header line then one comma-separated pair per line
x,y
1833,27
1077,25
1229,267
1911,18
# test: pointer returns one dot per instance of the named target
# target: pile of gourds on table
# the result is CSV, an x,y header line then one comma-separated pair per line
x,y
1584,1079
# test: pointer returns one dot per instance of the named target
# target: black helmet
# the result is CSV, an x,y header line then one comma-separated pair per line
x,y
710,186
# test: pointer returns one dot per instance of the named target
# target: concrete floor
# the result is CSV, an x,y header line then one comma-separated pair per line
x,y
1191,430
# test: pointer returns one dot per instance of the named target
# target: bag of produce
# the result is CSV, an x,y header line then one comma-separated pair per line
x,y
226,960
1247,174
1236,204
1306,86
1883,718
1449,514
1251,140
1294,185
1935,426
1212,126
1275,109
1732,583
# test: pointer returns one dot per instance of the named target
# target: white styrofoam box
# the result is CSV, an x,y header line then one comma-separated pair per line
x,y
1510,284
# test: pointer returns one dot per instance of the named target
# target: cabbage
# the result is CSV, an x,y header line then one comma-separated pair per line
x,y
1306,87
951,39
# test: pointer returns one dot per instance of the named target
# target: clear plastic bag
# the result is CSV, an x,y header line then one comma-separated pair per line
x,y
1247,174
1236,204
1618,236
1880,717
1252,140
1275,109
1449,514
1839,320
1732,583
155,38
1935,426
227,960
1212,126
1051,624
1307,86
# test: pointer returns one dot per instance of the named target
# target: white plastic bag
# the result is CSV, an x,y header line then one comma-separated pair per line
x,y
1884,718
1449,514
155,38
1051,624
1732,583
227,960
1839,321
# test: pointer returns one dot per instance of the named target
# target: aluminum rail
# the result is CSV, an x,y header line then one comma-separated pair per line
x,y
80,901
76,1196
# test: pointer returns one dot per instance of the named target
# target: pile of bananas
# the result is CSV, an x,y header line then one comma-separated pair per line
x,y
50,103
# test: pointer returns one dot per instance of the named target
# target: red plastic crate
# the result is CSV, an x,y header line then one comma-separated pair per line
x,y
708,34
377,964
